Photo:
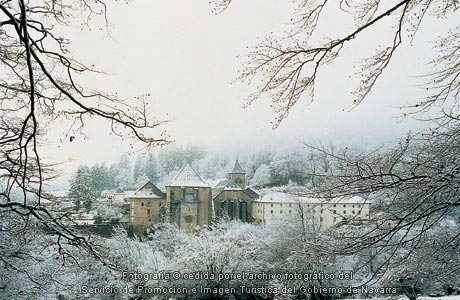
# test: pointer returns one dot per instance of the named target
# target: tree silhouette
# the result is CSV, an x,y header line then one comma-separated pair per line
x,y
39,87
415,185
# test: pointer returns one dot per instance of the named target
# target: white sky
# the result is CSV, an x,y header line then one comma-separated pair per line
x,y
186,59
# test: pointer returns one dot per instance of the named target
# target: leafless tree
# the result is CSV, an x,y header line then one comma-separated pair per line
x,y
415,193
38,88
288,68
414,186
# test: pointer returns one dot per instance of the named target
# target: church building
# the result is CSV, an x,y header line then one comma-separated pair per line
x,y
232,198
189,199
190,202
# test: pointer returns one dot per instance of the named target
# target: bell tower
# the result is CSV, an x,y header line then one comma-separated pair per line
x,y
238,175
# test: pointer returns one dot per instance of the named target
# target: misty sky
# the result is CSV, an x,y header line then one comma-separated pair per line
x,y
187,60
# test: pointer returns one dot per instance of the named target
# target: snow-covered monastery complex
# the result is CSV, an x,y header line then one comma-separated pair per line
x,y
190,202
327,213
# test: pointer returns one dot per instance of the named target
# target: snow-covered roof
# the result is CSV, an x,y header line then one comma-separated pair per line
x,y
153,196
187,176
351,200
280,197
237,169
226,185
148,190
60,193
216,182
233,189
124,219
251,192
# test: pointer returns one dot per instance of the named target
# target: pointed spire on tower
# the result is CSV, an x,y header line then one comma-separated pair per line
x,y
237,169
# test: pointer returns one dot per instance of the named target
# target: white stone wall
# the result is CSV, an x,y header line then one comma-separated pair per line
x,y
326,213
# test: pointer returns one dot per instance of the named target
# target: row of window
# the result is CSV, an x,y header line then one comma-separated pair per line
x,y
321,205
149,204
311,211
260,211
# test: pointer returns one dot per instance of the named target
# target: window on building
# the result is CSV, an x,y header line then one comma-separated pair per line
x,y
242,211
335,211
271,205
344,212
189,197
231,209
142,204
335,219
281,204
353,212
344,205
289,205
148,211
290,211
335,205
271,212
281,211
321,219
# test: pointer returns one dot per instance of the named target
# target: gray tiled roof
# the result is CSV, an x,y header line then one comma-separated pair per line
x,y
237,169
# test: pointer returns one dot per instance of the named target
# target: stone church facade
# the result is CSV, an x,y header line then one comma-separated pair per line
x,y
232,198
190,202
189,199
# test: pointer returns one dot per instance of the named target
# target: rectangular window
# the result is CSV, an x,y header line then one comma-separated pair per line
x,y
189,197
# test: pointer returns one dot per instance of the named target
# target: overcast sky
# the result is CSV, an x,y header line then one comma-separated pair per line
x,y
187,60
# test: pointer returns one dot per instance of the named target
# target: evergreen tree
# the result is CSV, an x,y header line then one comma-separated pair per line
x,y
82,188
153,170
139,168
123,173
171,158
101,177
